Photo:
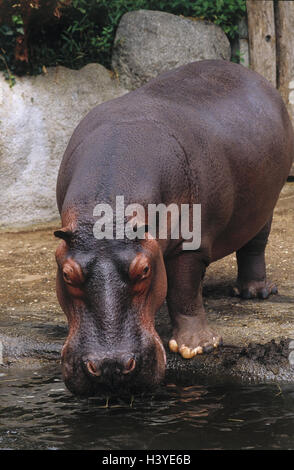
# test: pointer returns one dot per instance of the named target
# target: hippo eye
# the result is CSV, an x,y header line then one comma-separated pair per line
x,y
66,276
72,273
140,268
145,273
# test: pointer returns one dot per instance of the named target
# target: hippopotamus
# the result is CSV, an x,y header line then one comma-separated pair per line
x,y
210,133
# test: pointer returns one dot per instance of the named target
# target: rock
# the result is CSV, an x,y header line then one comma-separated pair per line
x,y
148,43
37,118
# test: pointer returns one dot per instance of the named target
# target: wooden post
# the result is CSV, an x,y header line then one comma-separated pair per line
x,y
284,14
262,38
285,51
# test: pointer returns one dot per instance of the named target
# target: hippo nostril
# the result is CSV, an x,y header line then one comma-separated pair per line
x,y
130,366
93,369
110,368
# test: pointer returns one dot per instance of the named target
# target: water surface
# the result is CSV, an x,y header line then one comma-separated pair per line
x,y
37,412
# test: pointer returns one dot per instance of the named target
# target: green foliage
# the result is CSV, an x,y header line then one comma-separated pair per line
x,y
8,34
225,13
84,31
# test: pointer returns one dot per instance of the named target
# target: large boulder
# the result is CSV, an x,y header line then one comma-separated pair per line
x,y
37,118
148,43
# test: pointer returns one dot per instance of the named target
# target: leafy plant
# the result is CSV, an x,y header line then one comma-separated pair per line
x,y
225,13
39,33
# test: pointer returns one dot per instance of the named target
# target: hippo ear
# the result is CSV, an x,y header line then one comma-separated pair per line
x,y
65,233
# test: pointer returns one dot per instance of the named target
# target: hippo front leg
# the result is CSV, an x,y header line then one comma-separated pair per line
x,y
191,333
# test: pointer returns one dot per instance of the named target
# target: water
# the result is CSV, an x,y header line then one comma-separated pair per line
x,y
37,412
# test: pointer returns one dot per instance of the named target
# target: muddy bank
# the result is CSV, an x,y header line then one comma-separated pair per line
x,y
255,362
33,328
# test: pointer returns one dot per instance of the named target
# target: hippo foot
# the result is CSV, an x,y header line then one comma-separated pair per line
x,y
252,289
191,340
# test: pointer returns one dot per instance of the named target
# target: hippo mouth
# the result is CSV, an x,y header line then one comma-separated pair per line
x,y
83,386
116,374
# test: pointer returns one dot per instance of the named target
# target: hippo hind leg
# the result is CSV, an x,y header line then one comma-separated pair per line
x,y
252,280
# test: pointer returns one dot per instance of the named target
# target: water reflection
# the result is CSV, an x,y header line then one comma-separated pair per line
x,y
37,412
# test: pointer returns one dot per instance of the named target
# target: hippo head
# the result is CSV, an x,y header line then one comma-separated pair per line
x,y
110,291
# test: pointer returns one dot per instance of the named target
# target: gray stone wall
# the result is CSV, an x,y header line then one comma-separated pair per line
x,y
37,118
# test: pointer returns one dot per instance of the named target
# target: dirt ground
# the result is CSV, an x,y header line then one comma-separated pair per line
x,y
28,304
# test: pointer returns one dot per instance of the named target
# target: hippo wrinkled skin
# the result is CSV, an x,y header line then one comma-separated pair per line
x,y
211,133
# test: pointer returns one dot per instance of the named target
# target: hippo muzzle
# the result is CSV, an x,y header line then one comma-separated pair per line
x,y
113,371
